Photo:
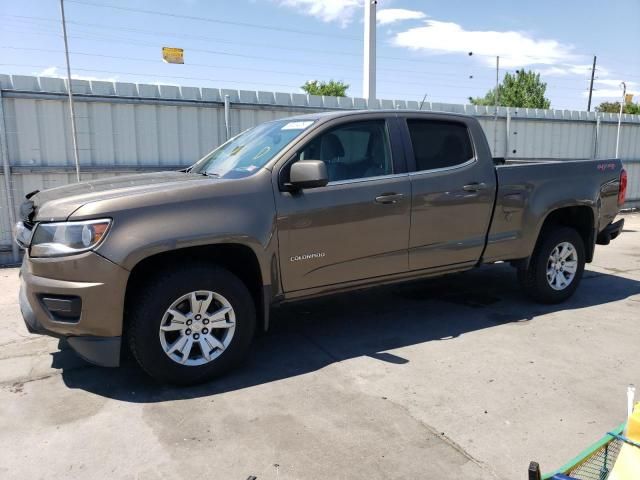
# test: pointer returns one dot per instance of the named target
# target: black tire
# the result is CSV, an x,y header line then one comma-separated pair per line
x,y
533,279
149,304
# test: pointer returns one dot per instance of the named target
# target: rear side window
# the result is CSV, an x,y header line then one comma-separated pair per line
x,y
439,144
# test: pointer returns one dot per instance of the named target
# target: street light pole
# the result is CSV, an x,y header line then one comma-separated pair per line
x,y
369,64
74,136
624,93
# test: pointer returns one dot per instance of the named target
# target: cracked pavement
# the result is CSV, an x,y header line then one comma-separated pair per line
x,y
457,377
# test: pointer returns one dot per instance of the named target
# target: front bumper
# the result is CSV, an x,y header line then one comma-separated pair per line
x,y
96,333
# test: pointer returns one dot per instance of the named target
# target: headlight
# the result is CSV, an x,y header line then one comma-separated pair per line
x,y
22,235
67,238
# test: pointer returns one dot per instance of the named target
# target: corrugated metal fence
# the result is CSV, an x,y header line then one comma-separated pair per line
x,y
126,127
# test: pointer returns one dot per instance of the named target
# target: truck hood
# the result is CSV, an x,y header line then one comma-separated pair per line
x,y
60,202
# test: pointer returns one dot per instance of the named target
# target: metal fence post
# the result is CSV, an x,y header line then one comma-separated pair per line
x,y
508,134
6,168
227,107
597,137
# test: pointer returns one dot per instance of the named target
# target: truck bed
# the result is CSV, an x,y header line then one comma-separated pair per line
x,y
527,189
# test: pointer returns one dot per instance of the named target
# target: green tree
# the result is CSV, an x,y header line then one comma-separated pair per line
x,y
524,90
332,87
614,107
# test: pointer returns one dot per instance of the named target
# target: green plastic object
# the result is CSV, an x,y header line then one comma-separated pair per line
x,y
595,462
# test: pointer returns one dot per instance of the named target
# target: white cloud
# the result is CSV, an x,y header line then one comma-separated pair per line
x,y
515,48
391,15
341,11
613,90
562,70
614,94
54,72
49,72
610,82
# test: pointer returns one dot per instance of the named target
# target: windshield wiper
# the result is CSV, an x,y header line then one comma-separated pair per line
x,y
209,174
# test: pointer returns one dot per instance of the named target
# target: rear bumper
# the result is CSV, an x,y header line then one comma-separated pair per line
x,y
95,333
610,232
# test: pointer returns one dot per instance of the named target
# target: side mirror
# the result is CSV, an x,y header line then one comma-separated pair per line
x,y
308,174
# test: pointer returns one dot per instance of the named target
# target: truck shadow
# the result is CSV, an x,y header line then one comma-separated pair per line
x,y
308,336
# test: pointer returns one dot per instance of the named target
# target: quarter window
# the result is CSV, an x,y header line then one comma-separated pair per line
x,y
439,144
354,150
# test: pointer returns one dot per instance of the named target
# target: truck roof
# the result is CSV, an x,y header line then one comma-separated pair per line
x,y
344,113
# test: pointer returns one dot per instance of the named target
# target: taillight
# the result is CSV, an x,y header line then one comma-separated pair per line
x,y
622,192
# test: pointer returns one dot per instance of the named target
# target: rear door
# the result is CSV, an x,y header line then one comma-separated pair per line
x,y
452,192
356,227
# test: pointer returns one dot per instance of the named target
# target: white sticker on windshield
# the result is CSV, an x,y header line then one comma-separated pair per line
x,y
297,125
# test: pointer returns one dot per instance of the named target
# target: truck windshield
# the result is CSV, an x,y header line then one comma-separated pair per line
x,y
249,151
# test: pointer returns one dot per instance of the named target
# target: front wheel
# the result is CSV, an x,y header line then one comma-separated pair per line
x,y
191,325
556,266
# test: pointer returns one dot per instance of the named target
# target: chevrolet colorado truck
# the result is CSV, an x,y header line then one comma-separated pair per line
x,y
183,266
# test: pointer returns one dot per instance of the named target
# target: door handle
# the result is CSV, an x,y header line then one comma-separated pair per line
x,y
474,187
389,198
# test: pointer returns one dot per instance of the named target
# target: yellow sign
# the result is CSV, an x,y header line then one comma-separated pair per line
x,y
172,55
628,98
628,461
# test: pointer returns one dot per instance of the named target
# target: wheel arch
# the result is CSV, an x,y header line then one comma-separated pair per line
x,y
579,217
237,258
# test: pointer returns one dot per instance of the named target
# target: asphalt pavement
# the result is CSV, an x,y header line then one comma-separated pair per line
x,y
459,377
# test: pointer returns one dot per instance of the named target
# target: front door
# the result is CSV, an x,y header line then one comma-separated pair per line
x,y
356,227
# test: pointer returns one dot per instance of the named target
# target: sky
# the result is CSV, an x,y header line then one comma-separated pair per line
x,y
422,46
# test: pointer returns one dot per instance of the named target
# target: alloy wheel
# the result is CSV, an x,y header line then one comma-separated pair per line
x,y
562,266
197,328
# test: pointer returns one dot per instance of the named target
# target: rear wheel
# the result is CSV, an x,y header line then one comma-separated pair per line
x,y
191,325
556,266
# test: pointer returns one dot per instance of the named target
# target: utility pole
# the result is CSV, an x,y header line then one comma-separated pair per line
x,y
593,72
369,64
422,102
74,136
496,99
624,94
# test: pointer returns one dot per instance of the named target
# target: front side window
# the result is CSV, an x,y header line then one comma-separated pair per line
x,y
249,151
355,150
438,144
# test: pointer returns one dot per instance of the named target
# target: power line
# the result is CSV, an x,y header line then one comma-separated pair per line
x,y
244,24
154,12
263,45
260,45
267,45
398,96
151,74
170,76
147,60
120,39
280,47
411,72
191,37
213,20
100,37
283,72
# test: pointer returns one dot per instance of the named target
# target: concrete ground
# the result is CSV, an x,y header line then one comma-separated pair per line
x,y
459,377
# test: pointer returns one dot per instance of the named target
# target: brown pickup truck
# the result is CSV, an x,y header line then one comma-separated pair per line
x,y
184,266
